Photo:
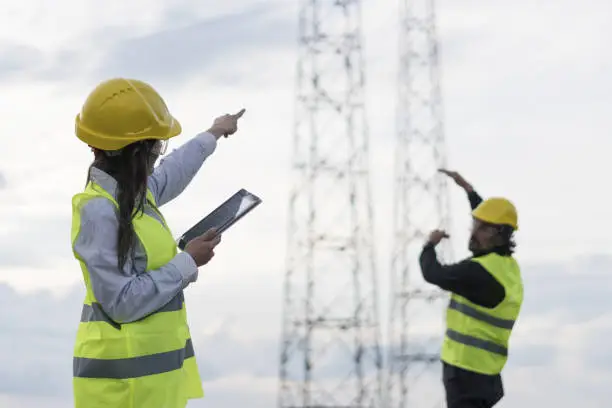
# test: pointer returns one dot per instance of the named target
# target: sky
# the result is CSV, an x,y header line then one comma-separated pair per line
x,y
526,98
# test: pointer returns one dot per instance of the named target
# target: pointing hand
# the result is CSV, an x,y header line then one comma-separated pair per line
x,y
226,125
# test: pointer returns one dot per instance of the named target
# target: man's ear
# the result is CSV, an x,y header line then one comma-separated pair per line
x,y
498,237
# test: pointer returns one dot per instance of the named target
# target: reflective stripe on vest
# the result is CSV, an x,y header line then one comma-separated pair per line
x,y
476,342
478,315
134,367
477,337
95,313
149,362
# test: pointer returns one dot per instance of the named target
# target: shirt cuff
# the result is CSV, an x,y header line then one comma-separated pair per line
x,y
208,141
187,268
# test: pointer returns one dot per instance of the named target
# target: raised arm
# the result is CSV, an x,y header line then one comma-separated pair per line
x,y
176,170
474,198
467,278
130,294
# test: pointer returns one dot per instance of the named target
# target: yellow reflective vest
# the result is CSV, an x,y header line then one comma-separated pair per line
x,y
477,337
149,363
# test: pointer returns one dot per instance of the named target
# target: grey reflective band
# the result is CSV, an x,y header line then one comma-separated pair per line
x,y
95,313
134,367
478,315
476,342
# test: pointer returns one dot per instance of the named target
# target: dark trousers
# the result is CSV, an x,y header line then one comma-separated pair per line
x,y
466,389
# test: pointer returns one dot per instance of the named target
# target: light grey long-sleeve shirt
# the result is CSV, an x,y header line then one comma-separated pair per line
x,y
130,294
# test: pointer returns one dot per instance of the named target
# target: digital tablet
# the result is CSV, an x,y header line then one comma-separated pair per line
x,y
223,217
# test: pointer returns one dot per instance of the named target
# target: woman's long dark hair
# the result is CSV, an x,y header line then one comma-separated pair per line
x,y
130,168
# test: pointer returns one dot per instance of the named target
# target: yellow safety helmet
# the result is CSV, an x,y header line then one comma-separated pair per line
x,y
122,111
496,210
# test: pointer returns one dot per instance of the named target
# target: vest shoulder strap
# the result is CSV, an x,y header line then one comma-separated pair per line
x,y
504,269
94,190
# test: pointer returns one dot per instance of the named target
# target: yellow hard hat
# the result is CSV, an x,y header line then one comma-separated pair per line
x,y
497,211
122,111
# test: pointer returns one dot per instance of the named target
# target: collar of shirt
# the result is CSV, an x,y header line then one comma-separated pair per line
x,y
104,180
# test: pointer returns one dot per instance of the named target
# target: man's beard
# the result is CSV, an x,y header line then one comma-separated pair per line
x,y
473,244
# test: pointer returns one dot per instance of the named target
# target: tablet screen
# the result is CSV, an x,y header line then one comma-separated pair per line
x,y
223,216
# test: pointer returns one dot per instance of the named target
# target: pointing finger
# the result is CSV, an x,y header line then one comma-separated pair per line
x,y
239,114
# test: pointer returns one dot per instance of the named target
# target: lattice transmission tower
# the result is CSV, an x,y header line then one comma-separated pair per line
x,y
330,353
421,204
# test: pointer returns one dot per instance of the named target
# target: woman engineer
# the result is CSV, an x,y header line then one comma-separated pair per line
x,y
133,347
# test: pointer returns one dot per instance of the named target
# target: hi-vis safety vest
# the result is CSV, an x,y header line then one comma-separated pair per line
x,y
476,337
145,364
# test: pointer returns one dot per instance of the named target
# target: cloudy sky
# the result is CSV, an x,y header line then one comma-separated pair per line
x,y
527,97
